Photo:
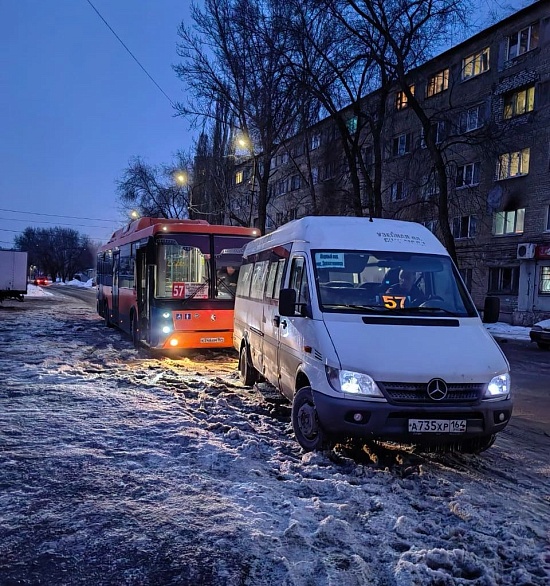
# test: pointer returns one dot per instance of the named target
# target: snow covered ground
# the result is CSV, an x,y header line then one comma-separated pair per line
x,y
120,468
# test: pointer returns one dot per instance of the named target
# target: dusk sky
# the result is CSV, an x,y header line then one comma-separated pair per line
x,y
76,107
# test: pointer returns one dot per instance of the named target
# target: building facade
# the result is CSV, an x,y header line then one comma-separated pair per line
x,y
488,100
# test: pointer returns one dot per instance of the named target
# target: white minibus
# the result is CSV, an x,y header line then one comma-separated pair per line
x,y
368,329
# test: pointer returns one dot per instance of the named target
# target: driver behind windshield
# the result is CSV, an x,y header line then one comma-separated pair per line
x,y
406,288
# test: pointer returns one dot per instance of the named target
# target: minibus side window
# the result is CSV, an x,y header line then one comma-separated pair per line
x,y
271,274
245,277
279,277
258,279
298,282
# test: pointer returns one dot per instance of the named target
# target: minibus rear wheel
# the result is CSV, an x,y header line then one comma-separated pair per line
x,y
305,423
248,374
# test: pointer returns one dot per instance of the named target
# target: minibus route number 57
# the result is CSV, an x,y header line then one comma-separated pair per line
x,y
170,284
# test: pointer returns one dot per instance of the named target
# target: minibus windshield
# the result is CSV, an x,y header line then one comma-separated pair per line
x,y
390,282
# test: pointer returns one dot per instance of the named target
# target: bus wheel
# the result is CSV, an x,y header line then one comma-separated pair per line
x,y
134,330
248,374
305,423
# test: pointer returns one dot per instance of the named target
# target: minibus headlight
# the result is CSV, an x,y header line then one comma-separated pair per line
x,y
499,387
353,383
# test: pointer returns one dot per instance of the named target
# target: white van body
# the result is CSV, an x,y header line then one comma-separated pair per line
x,y
361,357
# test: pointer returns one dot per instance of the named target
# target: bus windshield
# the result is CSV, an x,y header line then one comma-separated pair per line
x,y
390,282
185,264
182,271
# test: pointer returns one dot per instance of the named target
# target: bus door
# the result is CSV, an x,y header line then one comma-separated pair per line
x,y
272,320
292,329
141,286
116,272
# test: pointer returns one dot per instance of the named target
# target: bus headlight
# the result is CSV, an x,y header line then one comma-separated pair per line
x,y
166,315
166,329
498,388
353,383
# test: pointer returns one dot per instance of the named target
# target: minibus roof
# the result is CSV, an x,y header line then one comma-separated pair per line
x,y
351,233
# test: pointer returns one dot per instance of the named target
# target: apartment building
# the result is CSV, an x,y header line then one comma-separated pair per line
x,y
489,103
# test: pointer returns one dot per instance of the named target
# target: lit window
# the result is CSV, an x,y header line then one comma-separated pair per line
x,y
509,222
438,83
239,176
513,164
519,102
524,40
468,175
352,125
401,100
475,64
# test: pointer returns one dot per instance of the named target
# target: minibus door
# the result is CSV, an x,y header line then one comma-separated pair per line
x,y
291,329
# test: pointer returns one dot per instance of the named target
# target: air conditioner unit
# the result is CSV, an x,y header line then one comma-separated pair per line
x,y
526,251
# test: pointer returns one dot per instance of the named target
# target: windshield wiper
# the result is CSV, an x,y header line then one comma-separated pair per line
x,y
373,308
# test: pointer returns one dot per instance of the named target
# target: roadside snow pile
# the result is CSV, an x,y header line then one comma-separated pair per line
x,y
37,291
118,468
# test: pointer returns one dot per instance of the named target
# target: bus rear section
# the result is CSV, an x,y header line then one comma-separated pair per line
x,y
170,284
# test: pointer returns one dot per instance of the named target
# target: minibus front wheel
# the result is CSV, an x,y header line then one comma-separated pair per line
x,y
305,423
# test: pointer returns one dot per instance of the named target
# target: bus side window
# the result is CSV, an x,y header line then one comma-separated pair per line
x,y
279,278
258,279
298,282
245,278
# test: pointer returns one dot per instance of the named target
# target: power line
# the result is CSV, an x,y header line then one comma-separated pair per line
x,y
131,54
59,216
56,223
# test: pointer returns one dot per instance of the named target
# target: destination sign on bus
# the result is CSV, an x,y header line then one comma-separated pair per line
x,y
182,290
329,260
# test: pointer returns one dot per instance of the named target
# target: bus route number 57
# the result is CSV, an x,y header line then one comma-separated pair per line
x,y
178,290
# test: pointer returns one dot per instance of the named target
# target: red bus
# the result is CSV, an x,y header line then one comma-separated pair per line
x,y
167,282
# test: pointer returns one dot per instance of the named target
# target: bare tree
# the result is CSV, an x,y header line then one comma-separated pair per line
x,y
59,252
161,192
412,30
233,54
337,69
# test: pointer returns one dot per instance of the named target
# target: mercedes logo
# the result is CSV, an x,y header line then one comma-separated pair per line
x,y
437,389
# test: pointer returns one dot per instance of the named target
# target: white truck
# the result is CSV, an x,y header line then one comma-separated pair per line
x,y
13,274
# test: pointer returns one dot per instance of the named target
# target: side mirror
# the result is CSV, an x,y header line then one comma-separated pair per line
x,y
287,302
